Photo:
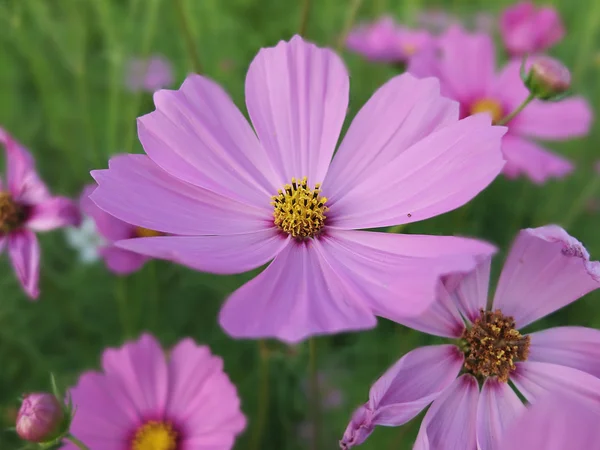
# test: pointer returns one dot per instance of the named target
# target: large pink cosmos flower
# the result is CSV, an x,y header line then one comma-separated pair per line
x,y
240,201
526,29
387,41
117,260
465,66
145,400
149,74
26,207
546,269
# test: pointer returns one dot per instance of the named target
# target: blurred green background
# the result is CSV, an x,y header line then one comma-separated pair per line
x,y
62,94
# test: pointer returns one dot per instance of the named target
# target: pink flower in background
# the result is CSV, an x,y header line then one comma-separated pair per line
x,y
436,20
240,198
527,29
117,260
149,74
545,270
465,65
142,400
27,207
386,41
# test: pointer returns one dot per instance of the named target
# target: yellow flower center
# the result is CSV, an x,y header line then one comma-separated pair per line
x,y
12,215
409,48
155,436
145,232
299,210
493,345
490,106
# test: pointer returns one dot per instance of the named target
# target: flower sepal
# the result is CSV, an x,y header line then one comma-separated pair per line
x,y
546,79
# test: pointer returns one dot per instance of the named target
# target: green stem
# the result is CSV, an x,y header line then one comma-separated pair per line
x,y
304,18
188,36
397,228
520,108
80,445
315,398
263,397
122,305
350,17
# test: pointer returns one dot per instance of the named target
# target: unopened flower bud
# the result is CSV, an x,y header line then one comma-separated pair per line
x,y
40,417
548,78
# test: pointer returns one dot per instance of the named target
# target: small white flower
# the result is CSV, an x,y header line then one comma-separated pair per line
x,y
85,240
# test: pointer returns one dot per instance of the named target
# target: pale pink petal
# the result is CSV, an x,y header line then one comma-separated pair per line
x,y
24,251
297,296
201,397
524,157
108,226
376,41
508,87
137,191
469,291
297,96
536,379
545,270
498,408
399,114
549,26
562,120
138,372
425,180
198,135
56,212
404,390
121,262
216,254
397,275
576,347
450,421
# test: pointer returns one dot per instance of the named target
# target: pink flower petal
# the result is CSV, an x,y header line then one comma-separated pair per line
x,y
108,226
404,390
498,408
471,290
198,135
297,96
121,262
576,347
508,88
24,251
56,212
537,163
297,296
216,254
450,421
201,396
536,379
137,191
426,179
545,270
398,115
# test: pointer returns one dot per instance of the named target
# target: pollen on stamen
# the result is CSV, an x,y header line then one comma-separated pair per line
x,y
11,214
299,210
155,435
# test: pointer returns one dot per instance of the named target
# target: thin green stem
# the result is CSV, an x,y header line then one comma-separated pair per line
x,y
350,18
188,36
263,397
80,445
123,305
519,108
315,398
155,295
304,18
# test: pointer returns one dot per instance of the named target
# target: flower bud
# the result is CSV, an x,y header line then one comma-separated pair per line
x,y
548,78
40,417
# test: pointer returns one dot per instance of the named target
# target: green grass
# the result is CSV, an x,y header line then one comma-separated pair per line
x,y
62,95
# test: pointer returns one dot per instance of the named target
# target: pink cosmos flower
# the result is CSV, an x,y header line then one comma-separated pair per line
x,y
465,66
546,269
149,74
386,41
145,400
26,207
239,200
117,260
526,29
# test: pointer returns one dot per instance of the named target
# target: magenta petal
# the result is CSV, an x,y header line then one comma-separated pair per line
x,y
498,407
198,135
545,270
122,262
450,421
108,226
426,179
298,295
576,347
137,191
53,213
216,254
470,290
297,96
201,396
399,114
24,250
527,158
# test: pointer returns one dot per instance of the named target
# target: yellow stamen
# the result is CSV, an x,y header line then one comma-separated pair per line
x,y
490,106
155,435
146,232
11,214
409,48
